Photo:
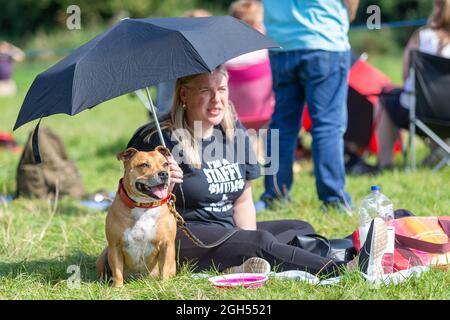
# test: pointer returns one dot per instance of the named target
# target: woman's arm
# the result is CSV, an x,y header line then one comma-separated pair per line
x,y
244,214
413,43
352,7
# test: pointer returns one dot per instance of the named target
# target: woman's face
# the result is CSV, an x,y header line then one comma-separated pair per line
x,y
206,98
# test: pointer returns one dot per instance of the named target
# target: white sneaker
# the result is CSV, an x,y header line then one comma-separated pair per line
x,y
251,265
371,254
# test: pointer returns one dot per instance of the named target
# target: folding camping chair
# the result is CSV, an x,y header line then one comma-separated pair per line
x,y
430,111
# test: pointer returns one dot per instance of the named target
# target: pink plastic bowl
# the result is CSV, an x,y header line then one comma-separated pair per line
x,y
246,280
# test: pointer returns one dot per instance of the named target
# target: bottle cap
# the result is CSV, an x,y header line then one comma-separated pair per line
x,y
375,188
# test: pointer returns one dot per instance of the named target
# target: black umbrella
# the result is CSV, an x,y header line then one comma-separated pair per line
x,y
135,54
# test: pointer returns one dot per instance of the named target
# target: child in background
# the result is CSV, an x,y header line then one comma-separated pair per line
x,y
250,84
8,55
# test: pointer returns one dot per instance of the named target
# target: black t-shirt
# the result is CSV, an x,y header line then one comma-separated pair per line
x,y
207,195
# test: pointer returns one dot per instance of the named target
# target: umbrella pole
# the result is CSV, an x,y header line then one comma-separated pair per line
x,y
152,110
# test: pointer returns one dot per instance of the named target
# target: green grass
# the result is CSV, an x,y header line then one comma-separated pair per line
x,y
39,240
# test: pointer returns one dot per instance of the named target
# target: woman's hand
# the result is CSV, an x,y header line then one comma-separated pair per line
x,y
176,174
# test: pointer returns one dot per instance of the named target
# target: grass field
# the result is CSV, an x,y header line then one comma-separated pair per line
x,y
40,241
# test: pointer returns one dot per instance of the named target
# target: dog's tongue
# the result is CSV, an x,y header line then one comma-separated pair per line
x,y
160,191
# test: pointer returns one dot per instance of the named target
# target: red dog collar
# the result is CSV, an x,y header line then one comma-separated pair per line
x,y
130,203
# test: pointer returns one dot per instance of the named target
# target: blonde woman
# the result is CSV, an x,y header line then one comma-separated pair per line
x,y
433,38
212,183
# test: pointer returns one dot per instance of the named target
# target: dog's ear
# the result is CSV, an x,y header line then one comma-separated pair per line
x,y
164,151
126,154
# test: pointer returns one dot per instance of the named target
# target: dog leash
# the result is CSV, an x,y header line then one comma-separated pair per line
x,y
171,203
182,224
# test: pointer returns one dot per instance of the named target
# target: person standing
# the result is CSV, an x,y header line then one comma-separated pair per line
x,y
8,54
311,66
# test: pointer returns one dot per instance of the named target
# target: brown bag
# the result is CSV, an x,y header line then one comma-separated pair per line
x,y
56,172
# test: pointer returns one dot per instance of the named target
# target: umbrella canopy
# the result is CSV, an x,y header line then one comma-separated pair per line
x,y
134,54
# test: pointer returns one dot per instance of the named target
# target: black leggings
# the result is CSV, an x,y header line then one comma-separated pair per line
x,y
269,241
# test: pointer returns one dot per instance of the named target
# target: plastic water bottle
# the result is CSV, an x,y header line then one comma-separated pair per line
x,y
375,205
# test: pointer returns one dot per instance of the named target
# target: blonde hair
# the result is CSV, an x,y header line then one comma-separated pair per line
x,y
249,11
189,143
439,21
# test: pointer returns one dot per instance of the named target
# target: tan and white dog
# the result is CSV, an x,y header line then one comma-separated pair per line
x,y
140,228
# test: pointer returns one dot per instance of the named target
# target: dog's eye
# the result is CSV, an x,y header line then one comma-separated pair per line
x,y
165,165
144,165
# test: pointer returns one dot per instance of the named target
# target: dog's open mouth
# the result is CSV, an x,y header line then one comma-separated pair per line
x,y
157,192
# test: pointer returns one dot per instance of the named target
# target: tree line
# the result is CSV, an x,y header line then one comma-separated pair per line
x,y
20,18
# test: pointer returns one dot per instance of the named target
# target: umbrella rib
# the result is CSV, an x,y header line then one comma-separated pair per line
x,y
51,91
131,21
203,63
100,38
195,50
